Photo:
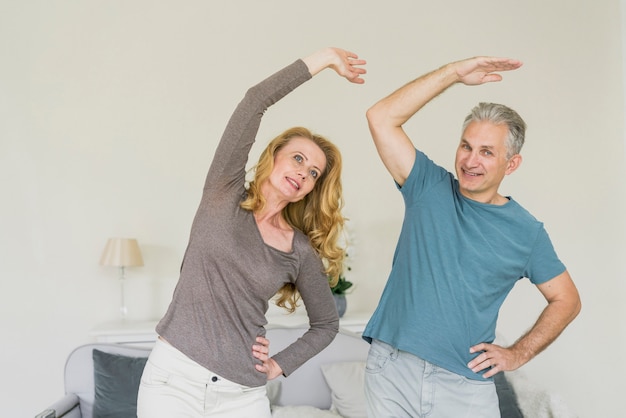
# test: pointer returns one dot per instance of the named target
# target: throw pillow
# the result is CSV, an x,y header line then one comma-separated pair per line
x,y
273,388
509,407
347,383
116,381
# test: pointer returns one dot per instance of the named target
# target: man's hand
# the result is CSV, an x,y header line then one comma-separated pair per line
x,y
480,70
494,358
261,351
563,306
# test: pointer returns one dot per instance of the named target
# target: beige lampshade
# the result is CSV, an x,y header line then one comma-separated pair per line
x,y
121,252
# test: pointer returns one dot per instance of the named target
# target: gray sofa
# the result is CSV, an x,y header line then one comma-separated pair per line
x,y
79,379
328,385
305,387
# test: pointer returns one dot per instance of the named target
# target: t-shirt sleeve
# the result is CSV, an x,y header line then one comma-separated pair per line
x,y
544,264
424,175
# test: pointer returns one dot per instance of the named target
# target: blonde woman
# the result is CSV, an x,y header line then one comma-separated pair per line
x,y
278,235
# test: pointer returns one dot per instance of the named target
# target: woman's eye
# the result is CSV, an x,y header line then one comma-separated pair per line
x,y
298,158
314,174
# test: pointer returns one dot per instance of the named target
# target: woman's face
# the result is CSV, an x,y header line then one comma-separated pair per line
x,y
297,167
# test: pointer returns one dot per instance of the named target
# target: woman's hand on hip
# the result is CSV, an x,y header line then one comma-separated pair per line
x,y
261,350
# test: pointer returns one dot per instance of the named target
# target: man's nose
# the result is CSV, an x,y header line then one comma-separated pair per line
x,y
472,159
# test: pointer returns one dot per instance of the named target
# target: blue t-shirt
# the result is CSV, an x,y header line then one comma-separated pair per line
x,y
455,262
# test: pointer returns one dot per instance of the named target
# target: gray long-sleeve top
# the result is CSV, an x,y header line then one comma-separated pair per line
x,y
229,274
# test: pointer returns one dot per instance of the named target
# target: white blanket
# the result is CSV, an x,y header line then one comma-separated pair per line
x,y
536,402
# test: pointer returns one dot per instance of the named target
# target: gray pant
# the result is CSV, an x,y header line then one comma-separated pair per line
x,y
400,384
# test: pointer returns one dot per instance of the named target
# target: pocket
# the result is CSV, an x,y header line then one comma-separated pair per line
x,y
379,355
153,375
476,382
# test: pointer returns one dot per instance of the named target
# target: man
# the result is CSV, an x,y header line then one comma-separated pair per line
x,y
461,249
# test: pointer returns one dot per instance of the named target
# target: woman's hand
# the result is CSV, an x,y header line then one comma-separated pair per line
x,y
261,351
345,63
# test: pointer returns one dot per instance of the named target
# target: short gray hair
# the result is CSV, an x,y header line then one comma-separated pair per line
x,y
499,114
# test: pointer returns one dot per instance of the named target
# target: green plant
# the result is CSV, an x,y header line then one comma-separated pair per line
x,y
342,285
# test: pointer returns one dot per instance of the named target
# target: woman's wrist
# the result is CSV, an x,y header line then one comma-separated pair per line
x,y
319,60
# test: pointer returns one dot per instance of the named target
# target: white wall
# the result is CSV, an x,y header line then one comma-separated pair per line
x,y
110,112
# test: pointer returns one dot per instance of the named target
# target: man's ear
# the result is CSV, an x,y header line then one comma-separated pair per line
x,y
513,163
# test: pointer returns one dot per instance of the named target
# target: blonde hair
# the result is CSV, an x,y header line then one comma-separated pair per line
x,y
318,214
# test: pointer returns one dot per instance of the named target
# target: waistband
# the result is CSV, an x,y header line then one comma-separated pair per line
x,y
167,356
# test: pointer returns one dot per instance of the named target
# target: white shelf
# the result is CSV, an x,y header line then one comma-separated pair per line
x,y
126,332
355,321
143,332
351,321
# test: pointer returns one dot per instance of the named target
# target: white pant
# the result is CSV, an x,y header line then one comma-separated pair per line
x,y
173,385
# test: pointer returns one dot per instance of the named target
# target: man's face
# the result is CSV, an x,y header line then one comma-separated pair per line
x,y
481,162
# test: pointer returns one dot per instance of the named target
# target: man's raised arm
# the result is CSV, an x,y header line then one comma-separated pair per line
x,y
387,116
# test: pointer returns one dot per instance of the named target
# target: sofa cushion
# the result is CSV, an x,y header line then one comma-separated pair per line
x,y
346,382
509,407
116,380
302,411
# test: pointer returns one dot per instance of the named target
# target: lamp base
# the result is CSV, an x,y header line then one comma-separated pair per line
x,y
123,309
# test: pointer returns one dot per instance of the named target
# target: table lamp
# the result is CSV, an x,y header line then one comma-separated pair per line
x,y
121,253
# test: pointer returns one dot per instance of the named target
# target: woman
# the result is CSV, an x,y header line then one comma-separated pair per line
x,y
278,235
